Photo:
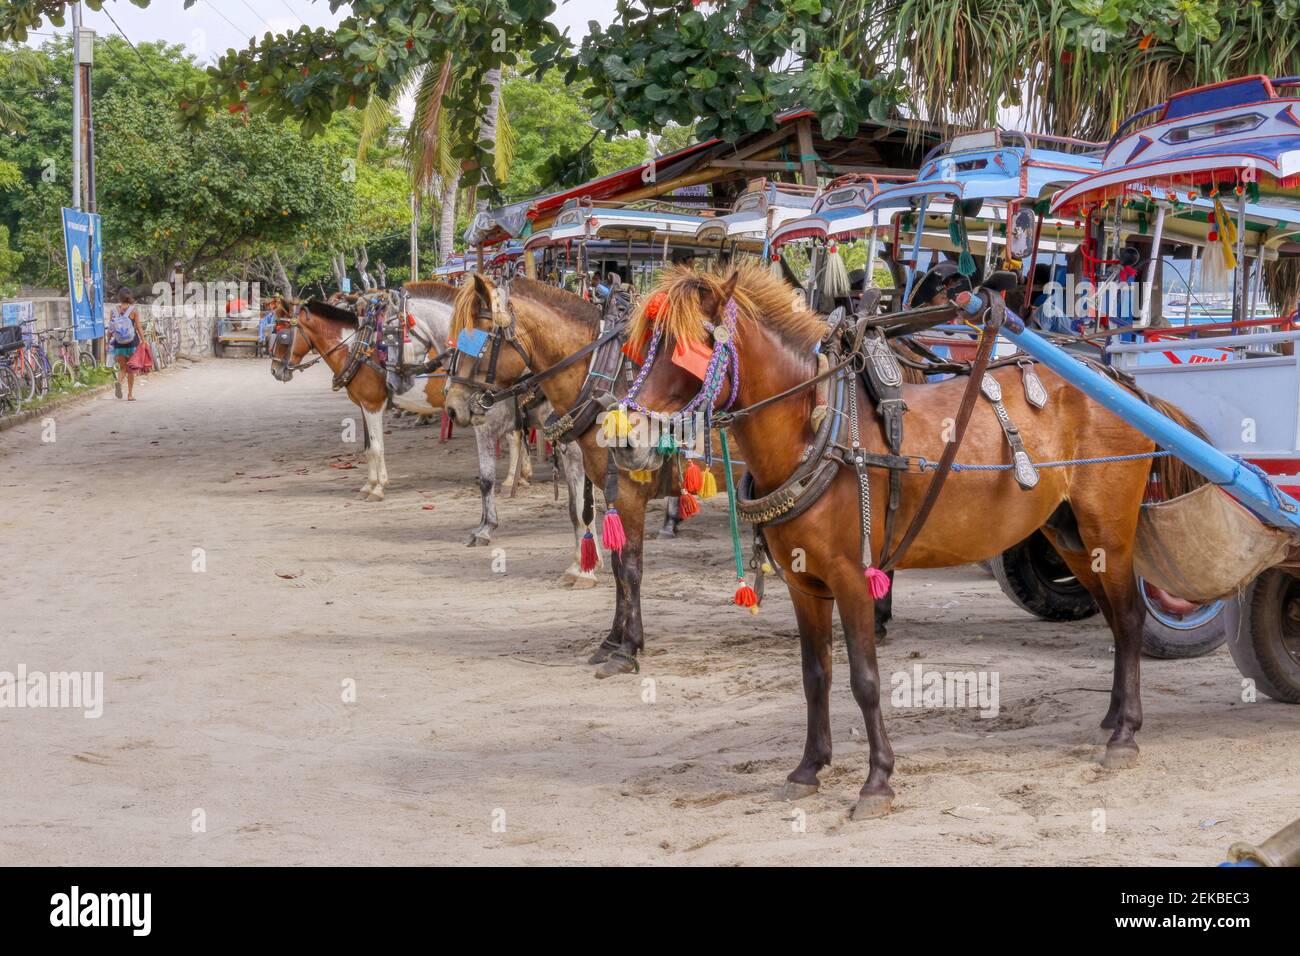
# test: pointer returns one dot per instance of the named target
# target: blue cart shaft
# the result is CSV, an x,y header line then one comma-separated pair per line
x,y
1252,490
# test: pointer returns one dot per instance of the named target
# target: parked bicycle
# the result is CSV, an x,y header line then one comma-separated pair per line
x,y
29,362
11,389
69,362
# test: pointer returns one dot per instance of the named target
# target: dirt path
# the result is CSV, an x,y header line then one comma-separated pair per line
x,y
477,735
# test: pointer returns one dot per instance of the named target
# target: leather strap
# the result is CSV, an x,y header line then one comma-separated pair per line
x,y
993,317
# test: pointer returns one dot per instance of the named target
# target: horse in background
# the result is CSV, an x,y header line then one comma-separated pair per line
x,y
327,330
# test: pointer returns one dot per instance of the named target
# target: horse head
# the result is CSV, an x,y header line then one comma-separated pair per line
x,y
683,336
288,345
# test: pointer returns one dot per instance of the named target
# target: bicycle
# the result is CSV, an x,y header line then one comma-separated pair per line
x,y
30,363
70,363
11,389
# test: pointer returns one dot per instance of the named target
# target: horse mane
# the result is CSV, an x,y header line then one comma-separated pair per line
x,y
431,289
467,301
562,300
332,312
760,297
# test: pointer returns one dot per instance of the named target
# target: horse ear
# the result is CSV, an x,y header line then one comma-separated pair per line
x,y
725,293
482,288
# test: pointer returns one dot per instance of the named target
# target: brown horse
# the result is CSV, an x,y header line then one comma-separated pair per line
x,y
329,331
550,325
1089,512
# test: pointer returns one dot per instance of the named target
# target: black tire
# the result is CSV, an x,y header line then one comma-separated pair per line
x,y
1264,636
86,362
27,380
1171,636
1033,575
11,399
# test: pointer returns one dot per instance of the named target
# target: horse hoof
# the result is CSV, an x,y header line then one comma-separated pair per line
x,y
796,791
613,666
667,534
1120,757
377,495
478,539
582,582
600,655
872,805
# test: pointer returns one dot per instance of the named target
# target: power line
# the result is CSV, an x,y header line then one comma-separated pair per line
x,y
104,10
223,16
293,11
255,13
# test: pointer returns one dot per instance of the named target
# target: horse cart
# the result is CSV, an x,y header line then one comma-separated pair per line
x,y
237,328
1232,572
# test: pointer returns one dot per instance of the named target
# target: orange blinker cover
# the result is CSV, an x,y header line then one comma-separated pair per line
x,y
693,357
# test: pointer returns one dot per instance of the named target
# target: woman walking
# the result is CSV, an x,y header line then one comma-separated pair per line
x,y
125,336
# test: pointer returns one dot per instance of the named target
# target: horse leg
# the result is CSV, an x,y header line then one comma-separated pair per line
x,y
857,614
1115,589
377,442
570,460
627,567
814,618
672,518
374,438
884,612
485,438
514,477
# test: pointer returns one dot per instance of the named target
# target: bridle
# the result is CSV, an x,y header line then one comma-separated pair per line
x,y
287,337
500,313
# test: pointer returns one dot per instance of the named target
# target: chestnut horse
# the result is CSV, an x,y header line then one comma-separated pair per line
x,y
550,325
1089,511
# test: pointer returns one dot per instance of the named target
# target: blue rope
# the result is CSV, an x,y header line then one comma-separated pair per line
x,y
923,464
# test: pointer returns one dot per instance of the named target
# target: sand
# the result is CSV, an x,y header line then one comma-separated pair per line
x,y
331,681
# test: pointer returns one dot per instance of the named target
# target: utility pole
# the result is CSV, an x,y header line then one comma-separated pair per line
x,y
85,61
76,106
415,237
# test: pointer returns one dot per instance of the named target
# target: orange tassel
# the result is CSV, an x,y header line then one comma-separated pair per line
x,y
692,478
746,597
687,506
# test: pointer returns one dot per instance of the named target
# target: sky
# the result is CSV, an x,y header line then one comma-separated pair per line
x,y
210,27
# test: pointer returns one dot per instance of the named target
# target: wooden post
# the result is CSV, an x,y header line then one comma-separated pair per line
x,y
807,153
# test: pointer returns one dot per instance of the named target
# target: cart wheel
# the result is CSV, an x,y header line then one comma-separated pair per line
x,y
1264,637
1033,575
1194,634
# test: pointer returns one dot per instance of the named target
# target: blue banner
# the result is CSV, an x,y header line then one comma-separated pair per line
x,y
83,248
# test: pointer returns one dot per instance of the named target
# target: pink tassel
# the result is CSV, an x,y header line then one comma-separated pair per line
x,y
878,582
612,532
587,553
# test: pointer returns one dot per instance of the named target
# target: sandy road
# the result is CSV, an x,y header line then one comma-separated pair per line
x,y
477,735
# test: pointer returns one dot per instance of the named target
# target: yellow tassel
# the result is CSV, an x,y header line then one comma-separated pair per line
x,y
616,426
767,568
642,476
708,485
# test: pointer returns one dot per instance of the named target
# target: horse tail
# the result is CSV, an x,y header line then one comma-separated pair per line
x,y
1174,476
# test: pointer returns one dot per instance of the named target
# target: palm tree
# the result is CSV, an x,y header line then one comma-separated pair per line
x,y
428,141
23,62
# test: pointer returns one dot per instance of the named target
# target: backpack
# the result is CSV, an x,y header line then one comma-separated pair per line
x,y
121,327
